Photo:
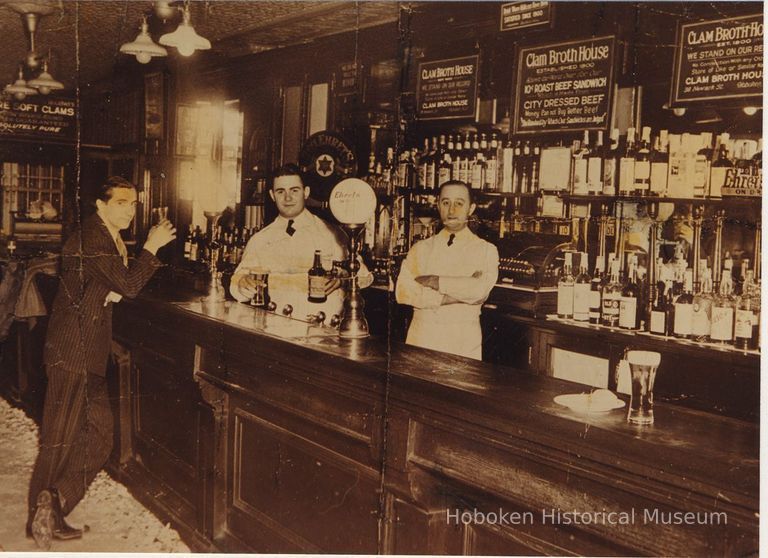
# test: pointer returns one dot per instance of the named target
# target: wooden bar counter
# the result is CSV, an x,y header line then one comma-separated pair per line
x,y
257,433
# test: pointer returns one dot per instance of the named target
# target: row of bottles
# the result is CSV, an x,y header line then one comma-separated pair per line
x,y
226,246
705,312
640,163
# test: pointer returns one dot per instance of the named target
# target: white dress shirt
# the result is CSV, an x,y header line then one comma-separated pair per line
x,y
452,328
287,259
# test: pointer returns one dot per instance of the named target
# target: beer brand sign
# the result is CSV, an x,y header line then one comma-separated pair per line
x,y
325,159
447,88
564,86
720,59
742,183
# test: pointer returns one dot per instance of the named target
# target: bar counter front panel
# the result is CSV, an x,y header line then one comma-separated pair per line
x,y
257,433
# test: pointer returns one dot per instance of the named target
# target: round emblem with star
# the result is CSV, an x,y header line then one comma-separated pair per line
x,y
324,165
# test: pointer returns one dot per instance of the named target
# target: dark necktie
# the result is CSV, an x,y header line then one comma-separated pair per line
x,y
289,229
450,239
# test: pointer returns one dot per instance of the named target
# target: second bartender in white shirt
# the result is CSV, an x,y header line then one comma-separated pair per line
x,y
285,249
447,277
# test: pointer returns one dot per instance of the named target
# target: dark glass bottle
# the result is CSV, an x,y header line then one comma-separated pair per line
x,y
657,320
317,281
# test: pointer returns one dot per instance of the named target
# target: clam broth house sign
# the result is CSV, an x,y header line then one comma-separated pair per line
x,y
719,59
565,86
447,88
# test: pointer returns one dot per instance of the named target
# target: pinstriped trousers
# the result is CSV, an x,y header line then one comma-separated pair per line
x,y
76,435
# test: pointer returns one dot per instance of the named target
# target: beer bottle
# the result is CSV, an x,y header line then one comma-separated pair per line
x,y
317,281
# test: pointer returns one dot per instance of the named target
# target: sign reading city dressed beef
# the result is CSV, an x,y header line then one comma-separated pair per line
x,y
720,59
564,86
447,88
517,15
38,118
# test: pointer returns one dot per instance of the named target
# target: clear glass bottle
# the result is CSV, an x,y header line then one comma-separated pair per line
x,y
627,165
660,164
579,165
581,291
702,307
643,164
743,332
683,324
565,289
612,297
701,167
629,317
595,169
723,311
610,165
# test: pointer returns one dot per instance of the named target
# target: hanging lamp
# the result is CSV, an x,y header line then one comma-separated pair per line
x,y
143,47
185,38
19,88
44,83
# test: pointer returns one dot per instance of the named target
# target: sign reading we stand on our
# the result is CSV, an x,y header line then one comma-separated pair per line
x,y
719,59
38,118
447,88
565,86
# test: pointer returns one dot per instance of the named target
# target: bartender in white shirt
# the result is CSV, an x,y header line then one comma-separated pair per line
x,y
285,249
447,277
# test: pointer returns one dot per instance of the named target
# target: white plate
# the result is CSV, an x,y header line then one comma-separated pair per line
x,y
586,403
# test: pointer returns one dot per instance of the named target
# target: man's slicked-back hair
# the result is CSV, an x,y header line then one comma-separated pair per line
x,y
288,169
457,183
104,192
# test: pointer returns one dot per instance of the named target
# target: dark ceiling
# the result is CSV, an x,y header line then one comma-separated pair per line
x,y
84,36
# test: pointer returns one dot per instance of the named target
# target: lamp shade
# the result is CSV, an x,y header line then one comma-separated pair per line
x,y
19,88
185,38
45,83
143,47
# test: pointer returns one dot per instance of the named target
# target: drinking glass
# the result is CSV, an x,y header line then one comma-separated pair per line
x,y
642,366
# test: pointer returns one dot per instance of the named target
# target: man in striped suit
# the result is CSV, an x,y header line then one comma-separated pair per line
x,y
76,434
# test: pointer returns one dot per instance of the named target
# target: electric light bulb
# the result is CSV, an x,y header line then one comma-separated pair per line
x,y
186,49
19,96
750,111
143,57
44,90
679,111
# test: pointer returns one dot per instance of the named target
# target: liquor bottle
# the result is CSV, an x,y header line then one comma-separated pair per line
x,y
756,163
535,167
753,287
683,324
444,169
612,297
388,171
565,289
507,167
466,158
610,165
454,148
743,332
660,164
492,160
722,311
629,317
596,292
579,165
702,165
689,147
595,166
525,178
518,166
657,323
643,164
581,291
627,165
188,239
422,165
702,307
197,252
477,165
675,177
316,276
433,159
719,170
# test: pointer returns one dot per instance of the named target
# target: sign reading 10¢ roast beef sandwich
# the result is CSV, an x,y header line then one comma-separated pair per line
x,y
720,59
564,86
447,88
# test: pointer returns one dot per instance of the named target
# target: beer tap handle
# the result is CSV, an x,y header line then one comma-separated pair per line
x,y
335,320
271,306
287,310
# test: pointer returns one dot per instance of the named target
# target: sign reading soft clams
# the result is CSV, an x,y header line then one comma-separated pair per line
x,y
447,88
564,86
51,118
720,59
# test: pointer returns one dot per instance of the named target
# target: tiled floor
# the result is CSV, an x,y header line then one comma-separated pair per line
x,y
117,522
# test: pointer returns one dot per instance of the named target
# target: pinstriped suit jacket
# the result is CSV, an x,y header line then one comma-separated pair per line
x,y
79,335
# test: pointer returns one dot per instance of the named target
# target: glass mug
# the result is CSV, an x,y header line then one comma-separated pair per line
x,y
260,296
159,214
642,367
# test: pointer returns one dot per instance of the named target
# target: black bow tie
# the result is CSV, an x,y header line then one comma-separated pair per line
x,y
450,239
289,229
